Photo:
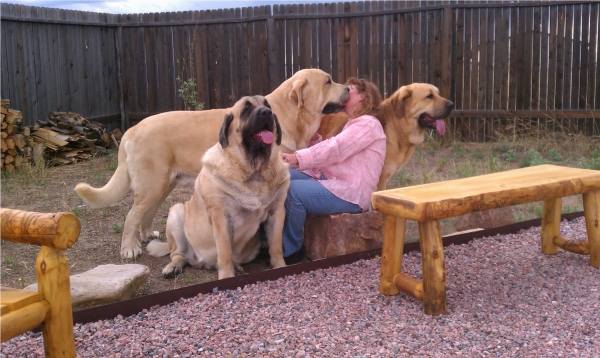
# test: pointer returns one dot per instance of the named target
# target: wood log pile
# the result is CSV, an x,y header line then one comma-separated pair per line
x,y
62,138
17,148
68,137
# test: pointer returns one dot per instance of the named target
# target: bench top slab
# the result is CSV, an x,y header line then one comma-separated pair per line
x,y
461,196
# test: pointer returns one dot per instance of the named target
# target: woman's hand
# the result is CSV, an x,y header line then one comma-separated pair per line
x,y
315,137
289,158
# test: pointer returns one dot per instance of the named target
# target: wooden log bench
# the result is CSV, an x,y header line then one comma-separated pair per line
x,y
429,203
24,310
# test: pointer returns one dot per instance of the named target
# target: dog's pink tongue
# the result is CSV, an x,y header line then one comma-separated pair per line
x,y
265,136
440,125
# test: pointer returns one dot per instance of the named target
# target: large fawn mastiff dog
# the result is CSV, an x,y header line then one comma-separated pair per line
x,y
405,116
165,150
243,182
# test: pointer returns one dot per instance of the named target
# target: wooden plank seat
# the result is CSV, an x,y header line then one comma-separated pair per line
x,y
24,310
429,203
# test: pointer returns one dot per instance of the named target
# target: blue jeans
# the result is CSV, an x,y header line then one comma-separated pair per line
x,y
307,196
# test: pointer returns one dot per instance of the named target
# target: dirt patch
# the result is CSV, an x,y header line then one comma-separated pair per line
x,y
51,190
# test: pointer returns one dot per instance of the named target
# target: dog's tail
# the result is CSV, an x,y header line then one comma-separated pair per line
x,y
158,248
116,188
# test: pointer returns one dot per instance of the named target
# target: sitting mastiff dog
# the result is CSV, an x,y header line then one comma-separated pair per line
x,y
162,151
243,183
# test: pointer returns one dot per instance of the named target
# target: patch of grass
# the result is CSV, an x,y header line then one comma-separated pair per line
x,y
76,212
570,209
494,165
538,212
477,155
10,261
401,179
502,147
465,170
117,228
6,188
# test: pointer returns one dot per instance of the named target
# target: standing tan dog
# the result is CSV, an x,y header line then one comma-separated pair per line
x,y
243,182
164,150
405,116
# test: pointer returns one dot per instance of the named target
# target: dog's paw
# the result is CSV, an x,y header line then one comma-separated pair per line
x,y
150,235
276,263
131,253
226,273
170,271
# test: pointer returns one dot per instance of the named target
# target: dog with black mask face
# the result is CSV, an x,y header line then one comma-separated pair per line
x,y
243,183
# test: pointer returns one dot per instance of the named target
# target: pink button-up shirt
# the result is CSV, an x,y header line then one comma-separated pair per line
x,y
351,161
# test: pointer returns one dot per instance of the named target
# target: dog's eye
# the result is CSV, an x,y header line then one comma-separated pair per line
x,y
430,96
328,81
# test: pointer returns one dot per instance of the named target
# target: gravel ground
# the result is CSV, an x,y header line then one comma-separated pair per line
x,y
504,299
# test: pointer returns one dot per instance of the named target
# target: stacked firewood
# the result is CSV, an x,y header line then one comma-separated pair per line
x,y
17,147
68,137
62,138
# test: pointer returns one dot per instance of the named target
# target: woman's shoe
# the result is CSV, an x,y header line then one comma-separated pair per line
x,y
295,257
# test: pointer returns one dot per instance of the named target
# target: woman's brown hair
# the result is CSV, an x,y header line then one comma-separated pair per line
x,y
372,100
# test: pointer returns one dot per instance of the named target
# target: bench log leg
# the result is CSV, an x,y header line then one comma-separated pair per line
x,y
394,229
550,225
52,271
434,272
591,211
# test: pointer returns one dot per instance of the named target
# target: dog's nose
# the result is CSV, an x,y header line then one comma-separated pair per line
x,y
264,112
348,89
450,105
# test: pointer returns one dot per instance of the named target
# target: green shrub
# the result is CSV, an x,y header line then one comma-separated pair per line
x,y
532,158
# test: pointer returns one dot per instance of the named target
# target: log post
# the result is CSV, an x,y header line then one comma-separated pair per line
x,y
434,272
394,229
409,285
591,211
550,225
52,271
57,230
580,247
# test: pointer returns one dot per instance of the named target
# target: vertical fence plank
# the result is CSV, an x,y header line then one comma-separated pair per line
x,y
379,41
544,64
339,41
314,34
346,38
585,49
552,57
262,51
153,68
305,38
201,57
394,61
361,39
593,78
240,66
324,39
354,55
459,60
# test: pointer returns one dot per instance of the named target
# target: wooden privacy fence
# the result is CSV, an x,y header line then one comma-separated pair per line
x,y
508,66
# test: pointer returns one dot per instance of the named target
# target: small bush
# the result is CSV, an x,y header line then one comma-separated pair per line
x,y
532,158
510,155
555,155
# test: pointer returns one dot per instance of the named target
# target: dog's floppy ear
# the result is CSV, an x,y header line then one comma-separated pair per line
x,y
224,133
296,92
398,100
279,134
